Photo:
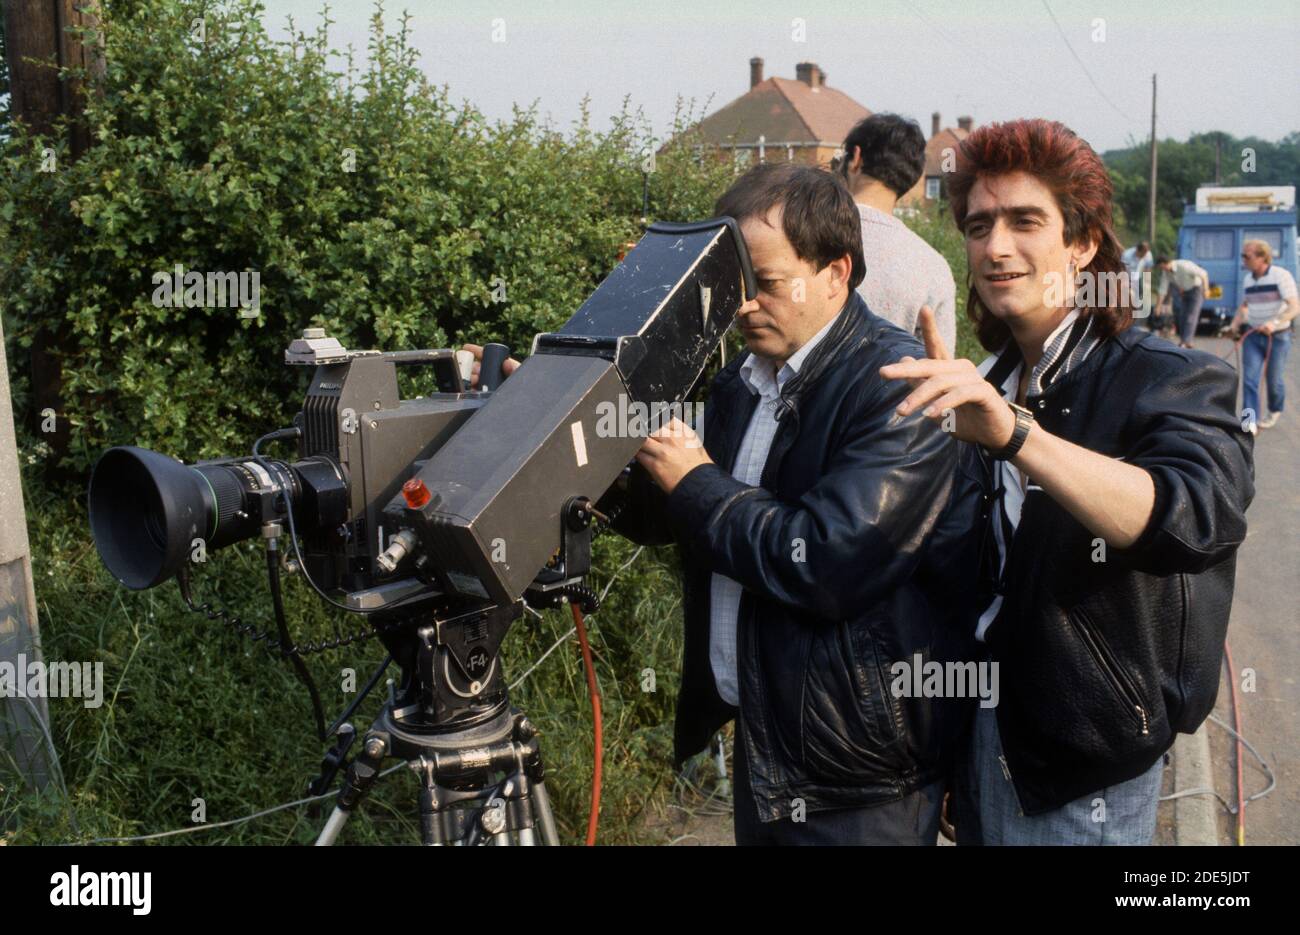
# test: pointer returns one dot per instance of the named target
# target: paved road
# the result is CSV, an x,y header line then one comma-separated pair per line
x,y
1264,634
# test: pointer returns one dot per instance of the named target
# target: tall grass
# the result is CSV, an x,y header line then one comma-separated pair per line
x,y
193,711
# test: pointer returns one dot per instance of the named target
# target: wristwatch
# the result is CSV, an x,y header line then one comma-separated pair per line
x,y
1024,419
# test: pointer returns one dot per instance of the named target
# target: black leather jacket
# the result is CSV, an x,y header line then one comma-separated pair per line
x,y
816,638
1103,661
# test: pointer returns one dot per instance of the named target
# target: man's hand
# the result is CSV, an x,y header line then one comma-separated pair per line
x,y
979,414
1266,328
507,368
672,452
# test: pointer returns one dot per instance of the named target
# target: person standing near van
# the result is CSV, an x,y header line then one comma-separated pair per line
x,y
1190,285
1269,303
1137,259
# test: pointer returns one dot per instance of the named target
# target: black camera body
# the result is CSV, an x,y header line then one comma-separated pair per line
x,y
440,513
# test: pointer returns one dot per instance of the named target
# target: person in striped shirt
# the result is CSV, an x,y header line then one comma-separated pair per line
x,y
1269,303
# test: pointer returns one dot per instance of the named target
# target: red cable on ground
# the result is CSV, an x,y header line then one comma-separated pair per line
x,y
597,729
1236,725
1232,670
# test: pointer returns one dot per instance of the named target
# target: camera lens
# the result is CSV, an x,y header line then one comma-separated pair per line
x,y
147,511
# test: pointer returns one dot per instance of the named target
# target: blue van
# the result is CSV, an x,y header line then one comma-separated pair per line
x,y
1219,223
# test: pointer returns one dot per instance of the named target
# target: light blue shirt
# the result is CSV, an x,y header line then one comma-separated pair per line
x,y
724,593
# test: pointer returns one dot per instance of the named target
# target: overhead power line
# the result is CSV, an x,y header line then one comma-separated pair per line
x,y
1088,74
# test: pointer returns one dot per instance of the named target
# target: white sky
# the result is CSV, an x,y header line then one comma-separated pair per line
x,y
1222,66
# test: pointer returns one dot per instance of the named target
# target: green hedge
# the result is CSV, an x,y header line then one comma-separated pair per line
x,y
365,201
368,203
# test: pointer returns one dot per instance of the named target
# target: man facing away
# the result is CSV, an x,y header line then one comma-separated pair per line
x,y
1116,478
884,156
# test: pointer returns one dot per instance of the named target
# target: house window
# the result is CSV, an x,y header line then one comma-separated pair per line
x,y
743,157
932,188
1271,237
1213,245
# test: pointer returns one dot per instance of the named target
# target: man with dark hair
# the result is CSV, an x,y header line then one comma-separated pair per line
x,y
1116,478
803,520
884,156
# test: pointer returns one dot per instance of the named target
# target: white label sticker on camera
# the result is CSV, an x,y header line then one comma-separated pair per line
x,y
579,443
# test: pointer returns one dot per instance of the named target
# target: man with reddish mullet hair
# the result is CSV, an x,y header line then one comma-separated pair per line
x,y
1115,479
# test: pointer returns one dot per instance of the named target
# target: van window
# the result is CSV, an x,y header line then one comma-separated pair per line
x,y
1213,245
1271,237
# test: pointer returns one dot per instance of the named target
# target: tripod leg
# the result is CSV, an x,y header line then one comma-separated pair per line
x,y
720,760
431,833
332,827
542,802
361,775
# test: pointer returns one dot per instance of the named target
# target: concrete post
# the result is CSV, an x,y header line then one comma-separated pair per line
x,y
23,721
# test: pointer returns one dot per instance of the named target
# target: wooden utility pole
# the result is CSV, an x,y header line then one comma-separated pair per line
x,y
1151,202
41,37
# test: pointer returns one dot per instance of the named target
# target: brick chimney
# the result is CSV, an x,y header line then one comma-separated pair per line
x,y
934,124
809,74
964,123
755,71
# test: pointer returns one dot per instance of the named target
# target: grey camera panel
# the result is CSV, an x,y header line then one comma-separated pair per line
x,y
393,439
660,314
500,484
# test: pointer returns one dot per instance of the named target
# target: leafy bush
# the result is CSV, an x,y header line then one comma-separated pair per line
x,y
372,206
369,205
366,202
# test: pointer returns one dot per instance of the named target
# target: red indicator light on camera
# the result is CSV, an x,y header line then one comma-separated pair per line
x,y
415,493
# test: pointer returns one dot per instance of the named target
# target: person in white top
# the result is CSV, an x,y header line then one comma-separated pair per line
x,y
1138,260
1184,285
884,156
1268,305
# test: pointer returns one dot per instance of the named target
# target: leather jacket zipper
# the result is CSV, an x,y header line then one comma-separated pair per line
x,y
1113,672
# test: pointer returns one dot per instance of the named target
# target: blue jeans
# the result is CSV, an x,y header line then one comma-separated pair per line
x,y
1252,363
1187,312
986,810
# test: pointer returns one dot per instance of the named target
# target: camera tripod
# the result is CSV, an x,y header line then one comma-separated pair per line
x,y
478,759
460,803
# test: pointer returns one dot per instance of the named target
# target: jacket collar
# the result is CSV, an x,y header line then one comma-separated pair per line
x,y
1064,352
758,374
852,325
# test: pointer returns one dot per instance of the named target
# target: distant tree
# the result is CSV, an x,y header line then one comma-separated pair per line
x,y
1185,167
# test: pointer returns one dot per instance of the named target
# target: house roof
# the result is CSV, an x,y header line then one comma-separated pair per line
x,y
784,110
949,137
